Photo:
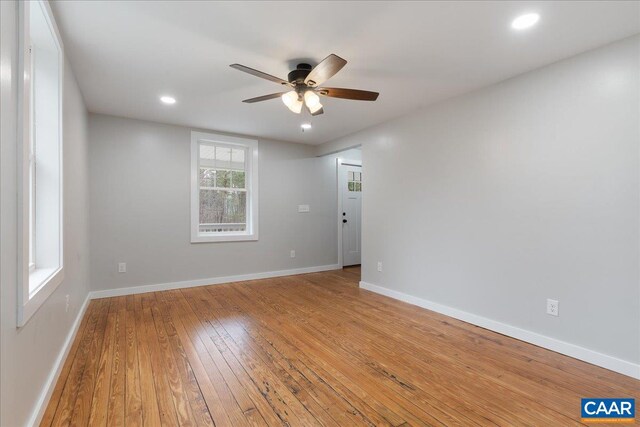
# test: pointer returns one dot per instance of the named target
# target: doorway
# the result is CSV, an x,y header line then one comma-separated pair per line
x,y
349,211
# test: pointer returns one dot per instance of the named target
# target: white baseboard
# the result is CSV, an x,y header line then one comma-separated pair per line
x,y
211,281
572,350
47,389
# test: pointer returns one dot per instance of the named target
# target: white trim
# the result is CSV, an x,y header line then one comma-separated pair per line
x,y
47,389
210,281
605,361
251,185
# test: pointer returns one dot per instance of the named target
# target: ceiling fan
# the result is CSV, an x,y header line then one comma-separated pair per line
x,y
305,83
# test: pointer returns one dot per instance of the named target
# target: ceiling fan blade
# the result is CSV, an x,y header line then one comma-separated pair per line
x,y
326,69
264,97
355,94
260,74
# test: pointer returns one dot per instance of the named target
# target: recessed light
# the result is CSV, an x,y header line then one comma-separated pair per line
x,y
305,126
525,21
168,99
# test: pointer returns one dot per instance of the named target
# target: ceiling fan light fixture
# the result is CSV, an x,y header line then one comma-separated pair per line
x,y
307,83
311,99
292,101
315,108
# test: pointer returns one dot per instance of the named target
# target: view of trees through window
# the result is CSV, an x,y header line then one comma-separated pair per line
x,y
223,189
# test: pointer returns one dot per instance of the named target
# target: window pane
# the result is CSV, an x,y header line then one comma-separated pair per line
x,y
350,178
351,186
237,159
223,179
237,179
223,207
207,152
223,157
207,177
358,186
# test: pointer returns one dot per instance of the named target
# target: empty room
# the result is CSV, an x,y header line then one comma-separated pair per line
x,y
319,213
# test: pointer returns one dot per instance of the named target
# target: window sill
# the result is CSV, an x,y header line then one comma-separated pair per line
x,y
38,278
42,283
204,238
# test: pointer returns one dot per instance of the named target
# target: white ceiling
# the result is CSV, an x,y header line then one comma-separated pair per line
x,y
126,54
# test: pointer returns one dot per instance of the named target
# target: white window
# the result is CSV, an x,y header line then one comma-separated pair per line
x,y
224,188
354,181
40,177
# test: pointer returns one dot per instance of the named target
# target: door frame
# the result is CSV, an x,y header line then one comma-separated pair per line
x,y
340,189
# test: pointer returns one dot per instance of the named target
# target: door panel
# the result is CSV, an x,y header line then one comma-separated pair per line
x,y
351,188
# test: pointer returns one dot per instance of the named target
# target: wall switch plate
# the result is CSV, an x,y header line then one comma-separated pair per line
x,y
122,267
66,304
379,265
303,208
553,307
293,253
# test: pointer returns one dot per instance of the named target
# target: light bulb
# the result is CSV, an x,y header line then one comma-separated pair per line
x,y
292,101
312,100
315,108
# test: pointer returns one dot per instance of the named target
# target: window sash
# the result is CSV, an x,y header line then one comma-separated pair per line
x,y
38,277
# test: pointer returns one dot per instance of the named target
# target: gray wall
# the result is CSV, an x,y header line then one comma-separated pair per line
x,y
28,353
140,208
520,192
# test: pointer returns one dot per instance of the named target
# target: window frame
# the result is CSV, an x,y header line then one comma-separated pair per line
x,y
251,187
47,279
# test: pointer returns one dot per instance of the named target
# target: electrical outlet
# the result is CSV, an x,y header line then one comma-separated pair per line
x,y
379,265
66,305
293,253
303,208
553,307
122,267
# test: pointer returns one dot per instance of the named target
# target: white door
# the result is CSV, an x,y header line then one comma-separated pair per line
x,y
351,189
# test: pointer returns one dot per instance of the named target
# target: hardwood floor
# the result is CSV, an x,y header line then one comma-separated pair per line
x,y
308,350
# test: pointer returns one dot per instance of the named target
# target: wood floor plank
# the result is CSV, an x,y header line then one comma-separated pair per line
x,y
116,406
148,396
73,360
213,346
196,353
168,365
326,373
239,382
102,386
306,387
82,405
220,332
194,394
308,350
133,394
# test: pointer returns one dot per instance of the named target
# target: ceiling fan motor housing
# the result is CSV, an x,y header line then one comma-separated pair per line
x,y
298,75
